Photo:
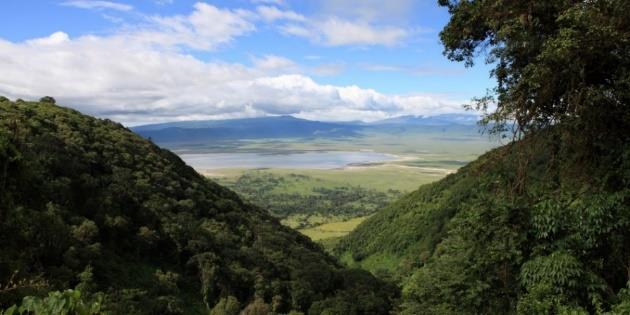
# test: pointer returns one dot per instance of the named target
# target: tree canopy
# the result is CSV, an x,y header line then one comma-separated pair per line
x,y
542,225
561,61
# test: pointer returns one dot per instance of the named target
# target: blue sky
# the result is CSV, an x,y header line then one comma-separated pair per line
x,y
160,60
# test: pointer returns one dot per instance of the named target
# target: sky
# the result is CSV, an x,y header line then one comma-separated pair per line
x,y
150,61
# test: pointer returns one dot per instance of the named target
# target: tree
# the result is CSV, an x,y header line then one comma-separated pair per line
x,y
556,62
48,99
226,306
257,307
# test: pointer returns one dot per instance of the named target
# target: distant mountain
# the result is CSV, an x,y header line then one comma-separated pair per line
x,y
247,128
291,127
437,120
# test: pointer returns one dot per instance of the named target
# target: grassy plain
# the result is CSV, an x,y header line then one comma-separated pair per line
x,y
423,157
379,177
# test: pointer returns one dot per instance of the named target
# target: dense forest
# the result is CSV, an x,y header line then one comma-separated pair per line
x,y
541,225
94,218
476,243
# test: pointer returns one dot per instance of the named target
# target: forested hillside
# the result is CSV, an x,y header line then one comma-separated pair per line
x,y
89,205
500,236
542,225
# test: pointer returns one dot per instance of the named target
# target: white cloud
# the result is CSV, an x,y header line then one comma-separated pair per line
x,y
351,22
335,31
55,38
298,30
338,32
98,5
370,10
205,28
209,26
133,82
138,74
270,14
275,64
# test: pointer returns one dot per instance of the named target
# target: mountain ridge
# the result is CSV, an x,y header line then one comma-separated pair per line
x,y
291,127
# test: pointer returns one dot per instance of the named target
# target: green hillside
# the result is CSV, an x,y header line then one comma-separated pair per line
x,y
542,225
89,205
529,227
396,236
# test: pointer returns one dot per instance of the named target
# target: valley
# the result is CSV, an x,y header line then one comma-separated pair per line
x,y
324,183
282,157
98,220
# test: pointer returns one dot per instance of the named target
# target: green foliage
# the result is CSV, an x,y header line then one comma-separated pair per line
x,y
411,227
226,306
86,203
47,99
366,302
85,232
257,307
555,61
542,225
556,243
623,305
68,302
559,270
544,299
269,192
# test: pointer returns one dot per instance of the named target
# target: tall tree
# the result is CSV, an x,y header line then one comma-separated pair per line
x,y
556,62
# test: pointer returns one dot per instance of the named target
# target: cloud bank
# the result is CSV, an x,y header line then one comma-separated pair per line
x,y
140,75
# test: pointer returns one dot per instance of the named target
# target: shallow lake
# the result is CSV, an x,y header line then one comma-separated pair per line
x,y
316,159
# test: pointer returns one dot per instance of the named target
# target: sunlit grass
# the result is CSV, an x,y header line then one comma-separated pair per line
x,y
332,230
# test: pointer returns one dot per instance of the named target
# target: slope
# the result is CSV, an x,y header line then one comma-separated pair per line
x,y
534,227
87,204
